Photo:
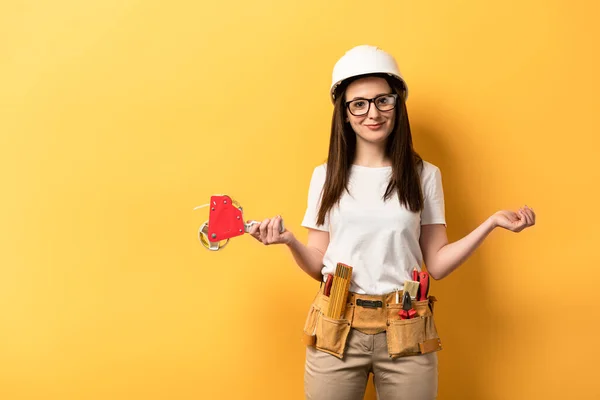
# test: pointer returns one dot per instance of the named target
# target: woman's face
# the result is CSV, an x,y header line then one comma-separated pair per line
x,y
375,125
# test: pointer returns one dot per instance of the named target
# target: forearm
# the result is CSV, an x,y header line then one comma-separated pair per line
x,y
309,259
452,255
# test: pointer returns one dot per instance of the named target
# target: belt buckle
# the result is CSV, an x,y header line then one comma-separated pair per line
x,y
369,303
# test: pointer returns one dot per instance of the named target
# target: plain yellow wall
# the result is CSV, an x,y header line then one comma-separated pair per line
x,y
118,118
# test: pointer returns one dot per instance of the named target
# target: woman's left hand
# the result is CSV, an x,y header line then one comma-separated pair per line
x,y
514,221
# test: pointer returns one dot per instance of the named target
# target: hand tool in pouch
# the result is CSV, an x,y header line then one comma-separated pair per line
x,y
423,285
225,221
412,287
407,312
328,283
339,291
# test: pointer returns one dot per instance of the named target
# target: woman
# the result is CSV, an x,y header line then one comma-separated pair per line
x,y
378,207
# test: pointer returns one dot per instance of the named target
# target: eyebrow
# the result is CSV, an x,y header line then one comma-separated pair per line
x,y
364,98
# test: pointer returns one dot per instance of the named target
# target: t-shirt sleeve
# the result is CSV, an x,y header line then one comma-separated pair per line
x,y
314,200
433,192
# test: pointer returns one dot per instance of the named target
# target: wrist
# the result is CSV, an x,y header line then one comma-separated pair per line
x,y
291,240
492,223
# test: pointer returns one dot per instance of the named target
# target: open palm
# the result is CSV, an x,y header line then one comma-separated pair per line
x,y
515,221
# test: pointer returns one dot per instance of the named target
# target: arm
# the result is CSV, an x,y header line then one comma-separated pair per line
x,y
309,257
441,257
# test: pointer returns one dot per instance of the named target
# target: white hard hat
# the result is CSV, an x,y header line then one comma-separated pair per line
x,y
363,60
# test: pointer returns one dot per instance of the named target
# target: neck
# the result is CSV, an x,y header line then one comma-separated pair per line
x,y
370,154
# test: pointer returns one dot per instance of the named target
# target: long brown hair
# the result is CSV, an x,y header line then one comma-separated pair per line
x,y
406,163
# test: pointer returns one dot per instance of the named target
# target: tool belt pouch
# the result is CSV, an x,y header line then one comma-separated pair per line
x,y
324,333
414,336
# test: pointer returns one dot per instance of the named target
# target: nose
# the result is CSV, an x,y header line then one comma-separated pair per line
x,y
373,112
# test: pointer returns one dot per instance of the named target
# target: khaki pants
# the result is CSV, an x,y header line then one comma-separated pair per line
x,y
328,377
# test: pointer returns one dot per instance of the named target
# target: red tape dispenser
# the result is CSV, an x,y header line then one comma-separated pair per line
x,y
225,221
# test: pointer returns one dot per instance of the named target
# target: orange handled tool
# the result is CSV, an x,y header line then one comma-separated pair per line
x,y
423,285
328,284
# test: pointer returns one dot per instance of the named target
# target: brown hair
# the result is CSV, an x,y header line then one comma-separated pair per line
x,y
399,148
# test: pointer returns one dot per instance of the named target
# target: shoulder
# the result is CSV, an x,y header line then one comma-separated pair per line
x,y
429,170
431,180
317,179
321,168
320,171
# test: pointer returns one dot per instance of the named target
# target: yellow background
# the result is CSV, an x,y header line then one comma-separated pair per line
x,y
117,118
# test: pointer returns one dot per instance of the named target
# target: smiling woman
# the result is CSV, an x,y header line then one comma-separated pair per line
x,y
116,117
365,119
378,208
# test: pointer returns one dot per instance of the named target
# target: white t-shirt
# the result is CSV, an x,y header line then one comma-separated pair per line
x,y
380,241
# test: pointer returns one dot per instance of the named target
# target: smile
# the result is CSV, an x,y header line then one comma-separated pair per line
x,y
374,127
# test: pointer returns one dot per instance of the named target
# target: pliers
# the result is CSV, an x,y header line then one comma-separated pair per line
x,y
407,312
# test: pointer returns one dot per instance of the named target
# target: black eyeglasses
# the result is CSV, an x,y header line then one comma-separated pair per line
x,y
384,102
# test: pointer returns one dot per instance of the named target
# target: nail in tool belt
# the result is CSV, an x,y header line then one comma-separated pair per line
x,y
372,314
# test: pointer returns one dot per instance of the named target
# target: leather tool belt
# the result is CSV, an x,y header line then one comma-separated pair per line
x,y
372,314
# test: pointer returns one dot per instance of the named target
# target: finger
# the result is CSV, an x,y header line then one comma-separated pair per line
x,y
522,218
527,216
263,230
531,213
531,216
274,230
270,236
277,228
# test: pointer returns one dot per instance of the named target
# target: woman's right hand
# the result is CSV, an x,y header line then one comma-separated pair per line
x,y
269,232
